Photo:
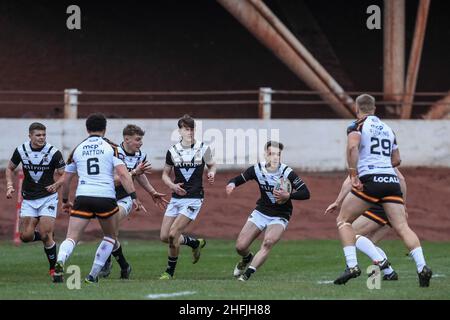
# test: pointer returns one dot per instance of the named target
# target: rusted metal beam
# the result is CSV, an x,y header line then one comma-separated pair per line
x,y
255,22
414,58
394,54
440,109
304,54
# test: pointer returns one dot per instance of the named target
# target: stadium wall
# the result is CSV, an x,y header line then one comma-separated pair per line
x,y
311,145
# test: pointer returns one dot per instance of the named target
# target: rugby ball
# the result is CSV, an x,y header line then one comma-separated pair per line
x,y
283,184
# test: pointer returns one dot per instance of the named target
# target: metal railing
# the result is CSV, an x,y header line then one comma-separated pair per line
x,y
266,99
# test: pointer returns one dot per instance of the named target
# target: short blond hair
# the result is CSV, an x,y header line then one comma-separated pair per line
x,y
366,103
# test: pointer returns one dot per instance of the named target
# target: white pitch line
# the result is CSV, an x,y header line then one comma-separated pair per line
x,y
439,276
325,282
170,295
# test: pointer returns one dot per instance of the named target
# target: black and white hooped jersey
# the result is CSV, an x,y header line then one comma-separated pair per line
x,y
131,162
376,146
94,161
267,181
39,166
189,164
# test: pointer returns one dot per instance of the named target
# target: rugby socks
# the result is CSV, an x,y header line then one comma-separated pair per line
x,y
419,259
350,256
37,236
250,270
247,258
389,269
103,252
171,264
65,250
191,242
367,247
120,258
51,255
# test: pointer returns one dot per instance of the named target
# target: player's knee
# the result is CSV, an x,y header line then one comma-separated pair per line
x,y
27,236
164,238
45,236
342,222
401,228
268,243
241,249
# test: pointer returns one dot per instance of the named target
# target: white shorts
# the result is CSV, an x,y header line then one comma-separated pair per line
x,y
127,204
47,206
188,207
262,221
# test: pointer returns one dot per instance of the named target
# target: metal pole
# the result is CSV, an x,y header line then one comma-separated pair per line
x,y
440,109
304,54
265,100
246,14
394,53
414,58
71,103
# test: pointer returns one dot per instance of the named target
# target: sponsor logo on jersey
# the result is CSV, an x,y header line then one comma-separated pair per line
x,y
385,179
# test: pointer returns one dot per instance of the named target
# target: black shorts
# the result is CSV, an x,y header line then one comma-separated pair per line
x,y
92,207
378,215
380,188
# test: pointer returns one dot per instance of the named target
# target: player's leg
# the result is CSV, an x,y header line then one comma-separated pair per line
x,y
29,218
46,227
108,224
248,234
177,227
271,237
75,230
191,208
124,210
27,229
117,252
47,216
362,227
376,236
352,207
397,218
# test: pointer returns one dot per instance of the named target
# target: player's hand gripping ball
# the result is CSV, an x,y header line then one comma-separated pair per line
x,y
283,185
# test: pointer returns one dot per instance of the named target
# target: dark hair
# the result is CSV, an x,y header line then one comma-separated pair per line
x,y
132,129
275,144
96,122
186,121
36,126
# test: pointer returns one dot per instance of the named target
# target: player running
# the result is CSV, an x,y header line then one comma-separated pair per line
x,y
136,162
273,209
371,146
371,226
94,161
187,159
40,162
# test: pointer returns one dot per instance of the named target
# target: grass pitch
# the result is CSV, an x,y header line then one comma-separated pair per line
x,y
295,270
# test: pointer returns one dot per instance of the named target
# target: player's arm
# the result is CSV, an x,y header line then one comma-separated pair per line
x,y
402,180
9,173
395,158
211,164
247,175
353,141
158,198
299,190
175,187
345,189
59,165
69,174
